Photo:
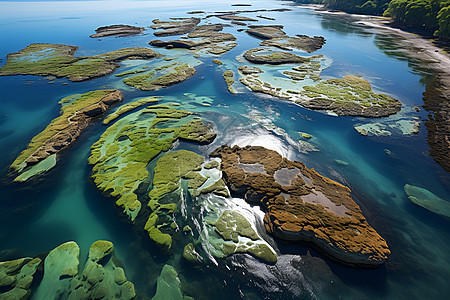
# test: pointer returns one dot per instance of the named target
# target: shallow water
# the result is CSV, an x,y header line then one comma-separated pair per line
x,y
64,204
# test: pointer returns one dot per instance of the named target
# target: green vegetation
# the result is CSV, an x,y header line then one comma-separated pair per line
x,y
59,125
143,82
229,80
128,107
431,15
58,60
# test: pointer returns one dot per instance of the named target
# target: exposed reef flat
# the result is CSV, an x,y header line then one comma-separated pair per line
x,y
76,113
121,157
404,126
349,96
300,42
264,56
229,80
233,226
174,27
150,82
233,17
55,275
266,32
302,205
120,30
128,107
58,60
274,36
208,37
427,200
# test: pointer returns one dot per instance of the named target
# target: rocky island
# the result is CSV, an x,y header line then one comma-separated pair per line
x,y
59,60
77,112
302,205
120,30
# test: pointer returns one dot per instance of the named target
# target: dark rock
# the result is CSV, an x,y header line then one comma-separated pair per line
x,y
121,30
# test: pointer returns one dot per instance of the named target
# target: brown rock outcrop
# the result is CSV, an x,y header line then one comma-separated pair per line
x,y
175,27
302,205
121,30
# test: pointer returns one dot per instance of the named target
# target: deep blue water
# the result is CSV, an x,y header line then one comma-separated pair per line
x,y
64,205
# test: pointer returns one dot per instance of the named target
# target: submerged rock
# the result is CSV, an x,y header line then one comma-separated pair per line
x,y
59,60
302,205
427,200
168,285
60,267
76,115
16,277
121,30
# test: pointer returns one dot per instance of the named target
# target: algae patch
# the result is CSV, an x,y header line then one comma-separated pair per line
x,y
59,60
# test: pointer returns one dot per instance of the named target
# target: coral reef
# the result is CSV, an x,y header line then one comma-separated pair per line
x,y
302,205
63,131
59,60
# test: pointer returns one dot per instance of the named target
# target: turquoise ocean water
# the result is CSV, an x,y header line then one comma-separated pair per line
x,y
64,204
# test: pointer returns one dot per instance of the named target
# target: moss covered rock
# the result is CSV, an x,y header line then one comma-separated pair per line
x,y
59,60
76,115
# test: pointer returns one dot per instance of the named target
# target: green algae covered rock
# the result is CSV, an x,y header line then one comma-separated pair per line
x,y
16,277
190,254
129,107
147,82
60,267
264,56
123,152
121,161
229,80
428,200
349,96
59,60
76,114
231,225
101,278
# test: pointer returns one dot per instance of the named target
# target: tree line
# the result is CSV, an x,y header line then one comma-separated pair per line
x,y
430,15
